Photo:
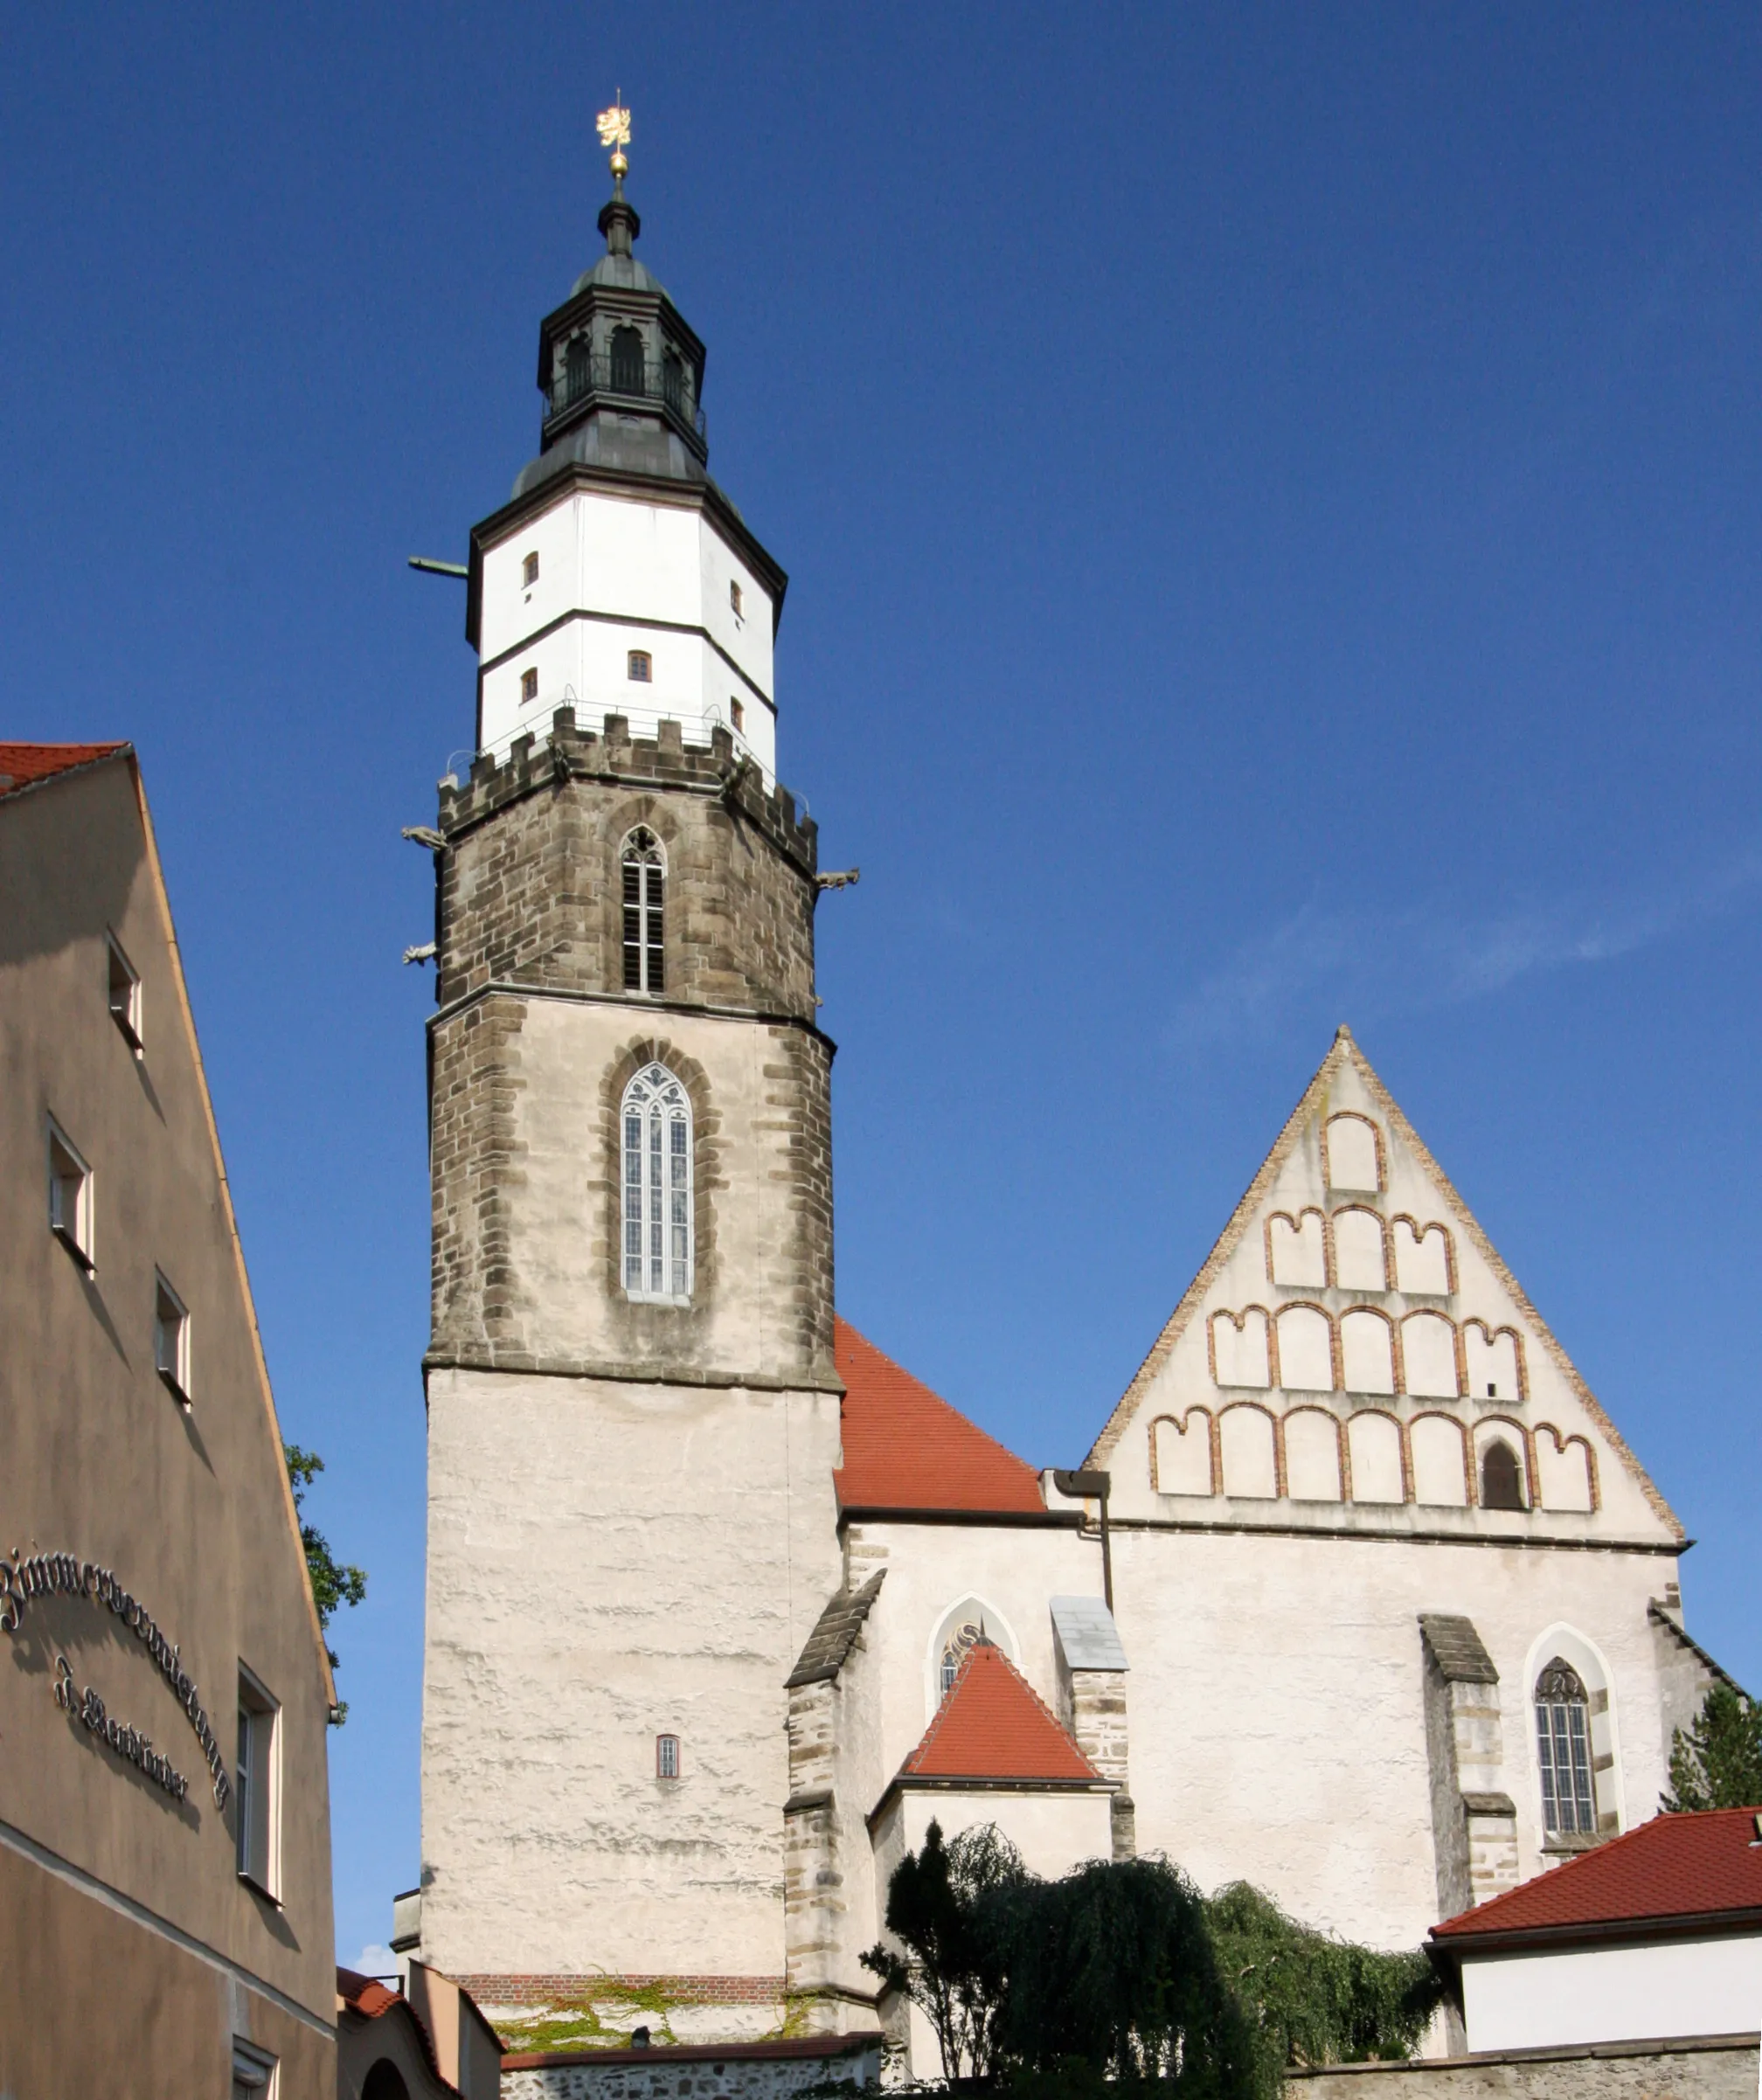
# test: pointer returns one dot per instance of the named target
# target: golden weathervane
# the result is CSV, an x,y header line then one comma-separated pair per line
x,y
614,131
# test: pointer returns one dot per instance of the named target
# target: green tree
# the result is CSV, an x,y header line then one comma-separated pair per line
x,y
945,1904
1716,1762
1113,1972
334,1582
1313,1998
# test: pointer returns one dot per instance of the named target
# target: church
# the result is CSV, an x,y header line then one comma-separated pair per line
x,y
1356,1593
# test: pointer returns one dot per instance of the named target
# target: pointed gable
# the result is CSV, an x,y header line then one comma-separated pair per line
x,y
23,766
992,1725
1354,1339
905,1448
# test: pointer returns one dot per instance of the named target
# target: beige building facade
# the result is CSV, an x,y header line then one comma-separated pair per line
x,y
165,1918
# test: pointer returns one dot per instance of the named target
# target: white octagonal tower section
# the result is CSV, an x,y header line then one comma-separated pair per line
x,y
572,593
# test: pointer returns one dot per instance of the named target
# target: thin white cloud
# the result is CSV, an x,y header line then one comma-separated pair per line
x,y
375,1960
1362,965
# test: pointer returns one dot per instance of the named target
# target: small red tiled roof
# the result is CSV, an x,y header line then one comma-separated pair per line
x,y
905,1448
1696,1866
23,764
364,1994
993,1725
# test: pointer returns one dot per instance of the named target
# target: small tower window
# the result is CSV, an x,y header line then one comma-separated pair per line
x,y
639,667
125,994
578,371
529,571
645,883
673,382
738,713
529,688
666,1757
658,1227
1563,1748
1502,1478
627,361
734,597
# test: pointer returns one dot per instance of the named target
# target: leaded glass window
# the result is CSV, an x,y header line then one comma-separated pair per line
x,y
645,883
658,1224
1563,1748
955,1651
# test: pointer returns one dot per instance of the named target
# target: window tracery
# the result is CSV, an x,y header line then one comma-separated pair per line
x,y
1562,1749
659,1231
645,883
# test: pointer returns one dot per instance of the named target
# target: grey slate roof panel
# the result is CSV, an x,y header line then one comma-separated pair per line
x,y
835,1634
1088,1634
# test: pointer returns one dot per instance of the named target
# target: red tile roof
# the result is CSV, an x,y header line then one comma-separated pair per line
x,y
905,1448
1674,1866
23,764
365,1994
992,1725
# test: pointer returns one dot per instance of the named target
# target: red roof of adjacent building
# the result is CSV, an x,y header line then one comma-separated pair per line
x,y
23,764
905,1448
1674,1866
993,1725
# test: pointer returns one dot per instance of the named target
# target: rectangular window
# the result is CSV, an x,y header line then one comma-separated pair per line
x,y
529,688
738,712
254,1801
639,666
125,994
529,571
170,1337
253,2072
666,1757
70,1198
734,597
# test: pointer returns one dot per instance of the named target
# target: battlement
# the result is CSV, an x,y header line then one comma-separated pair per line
x,y
612,755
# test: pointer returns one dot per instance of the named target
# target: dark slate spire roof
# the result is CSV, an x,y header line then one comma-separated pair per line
x,y
620,369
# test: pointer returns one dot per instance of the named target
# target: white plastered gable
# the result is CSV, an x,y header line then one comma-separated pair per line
x,y
1351,1347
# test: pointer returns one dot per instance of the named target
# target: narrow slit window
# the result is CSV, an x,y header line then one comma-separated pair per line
x,y
70,1198
639,667
529,571
172,1338
529,688
659,1225
645,886
666,1757
734,599
124,994
1562,1749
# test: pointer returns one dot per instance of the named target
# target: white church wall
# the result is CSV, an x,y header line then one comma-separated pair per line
x,y
1539,2000
1303,1767
583,1598
1016,1570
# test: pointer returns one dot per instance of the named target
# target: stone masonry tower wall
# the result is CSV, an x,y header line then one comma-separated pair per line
x,y
631,1525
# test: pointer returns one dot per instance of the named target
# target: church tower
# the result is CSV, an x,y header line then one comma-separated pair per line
x,y
633,1411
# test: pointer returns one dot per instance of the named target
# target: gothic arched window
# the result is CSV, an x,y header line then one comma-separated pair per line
x,y
958,1644
658,1231
1563,1748
645,885
627,361
1502,1478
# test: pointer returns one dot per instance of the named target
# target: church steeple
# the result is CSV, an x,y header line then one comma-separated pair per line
x,y
620,369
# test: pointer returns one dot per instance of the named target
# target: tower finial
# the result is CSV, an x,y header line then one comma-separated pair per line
x,y
614,131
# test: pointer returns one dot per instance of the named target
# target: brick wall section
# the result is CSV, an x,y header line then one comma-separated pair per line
x,y
529,884
474,1078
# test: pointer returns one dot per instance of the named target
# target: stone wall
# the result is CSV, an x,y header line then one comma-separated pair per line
x,y
1719,2067
774,2072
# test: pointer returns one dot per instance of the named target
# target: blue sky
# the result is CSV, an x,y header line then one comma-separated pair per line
x,y
1272,507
